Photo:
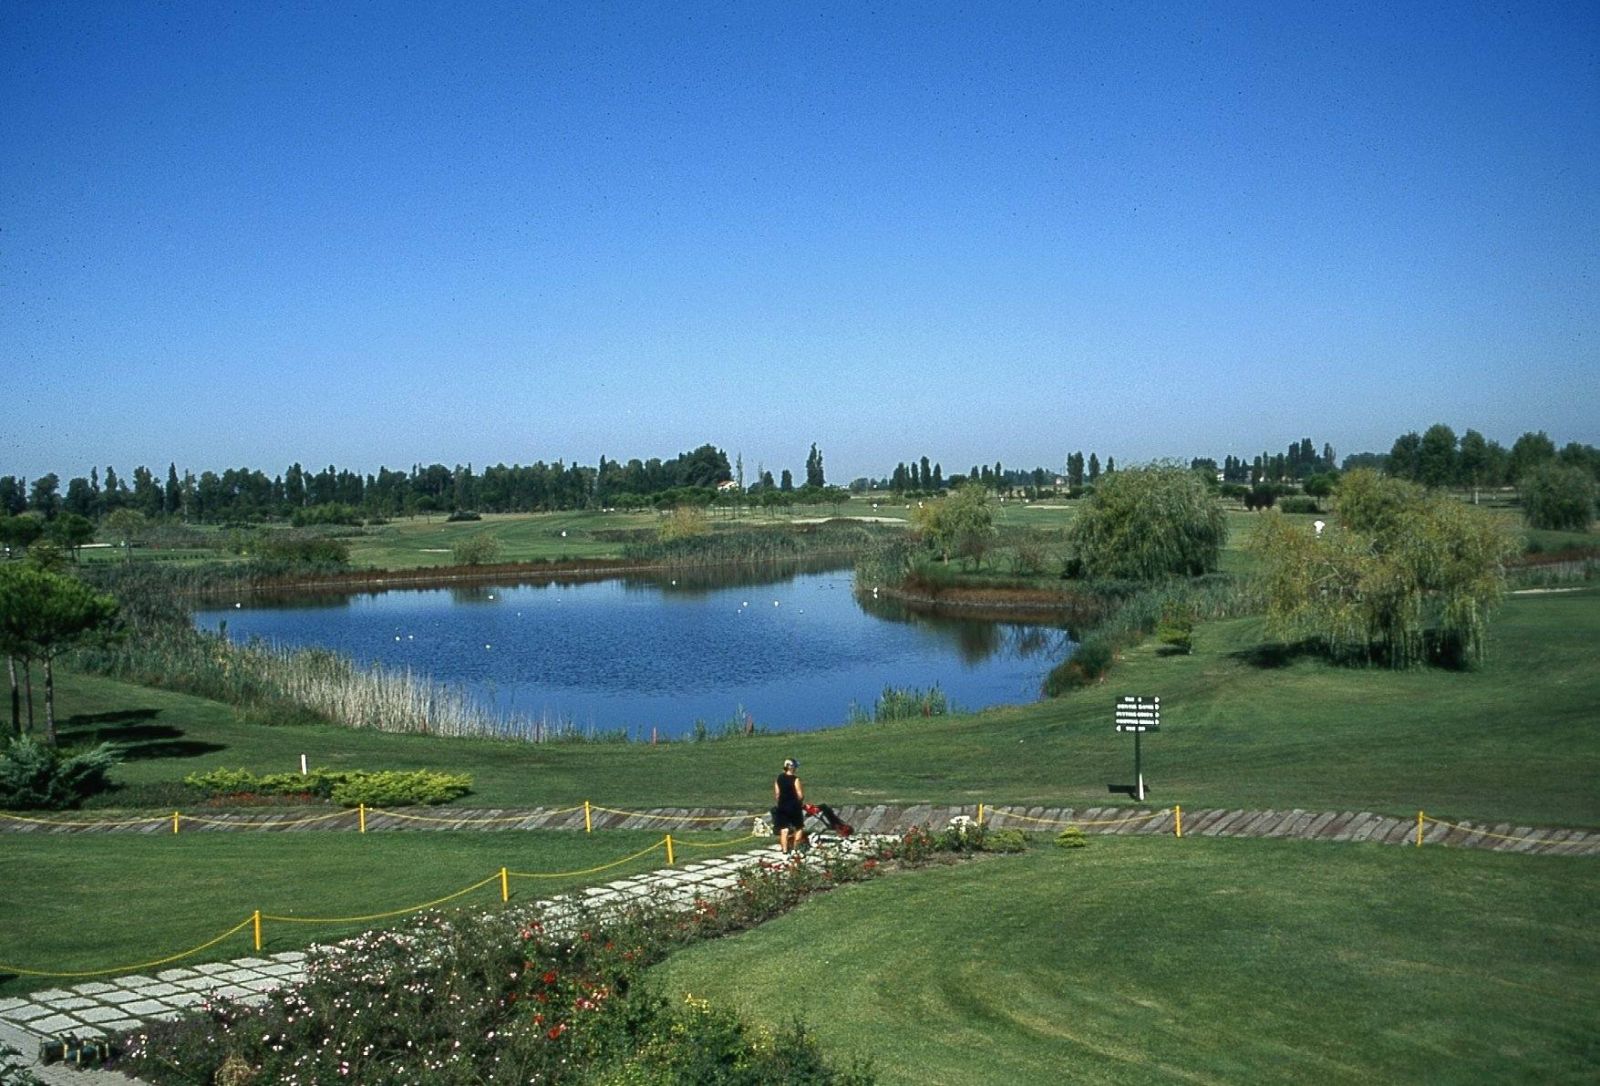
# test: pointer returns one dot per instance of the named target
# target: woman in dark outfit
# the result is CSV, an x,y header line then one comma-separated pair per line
x,y
790,795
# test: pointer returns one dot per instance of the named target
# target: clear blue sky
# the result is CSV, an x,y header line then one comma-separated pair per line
x,y
466,232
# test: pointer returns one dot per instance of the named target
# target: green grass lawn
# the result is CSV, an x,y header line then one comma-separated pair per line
x,y
1515,740
88,902
1195,961
523,537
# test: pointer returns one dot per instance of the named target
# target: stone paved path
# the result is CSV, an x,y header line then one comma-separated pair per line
x,y
110,1006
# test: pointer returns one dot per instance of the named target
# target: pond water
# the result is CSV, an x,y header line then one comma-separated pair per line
x,y
794,651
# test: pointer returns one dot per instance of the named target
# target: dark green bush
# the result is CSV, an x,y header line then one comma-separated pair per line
x,y
1086,666
1299,505
34,776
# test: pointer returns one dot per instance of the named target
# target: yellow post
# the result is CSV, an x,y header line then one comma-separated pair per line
x,y
980,814
1177,826
363,809
588,826
505,887
670,861
257,919
174,821
1419,829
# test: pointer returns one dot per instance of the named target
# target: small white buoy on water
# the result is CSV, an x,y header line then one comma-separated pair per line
x,y
238,605
491,595
488,646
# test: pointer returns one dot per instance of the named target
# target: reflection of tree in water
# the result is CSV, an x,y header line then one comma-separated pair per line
x,y
474,593
975,638
699,581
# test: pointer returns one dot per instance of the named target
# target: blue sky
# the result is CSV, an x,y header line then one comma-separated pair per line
x,y
461,232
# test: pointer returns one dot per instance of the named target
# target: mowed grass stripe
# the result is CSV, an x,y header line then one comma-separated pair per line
x,y
1211,960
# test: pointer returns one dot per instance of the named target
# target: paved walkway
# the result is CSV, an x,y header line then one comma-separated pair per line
x,y
106,1007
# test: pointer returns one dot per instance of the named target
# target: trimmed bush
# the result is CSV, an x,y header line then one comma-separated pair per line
x,y
1299,505
348,788
394,789
1071,837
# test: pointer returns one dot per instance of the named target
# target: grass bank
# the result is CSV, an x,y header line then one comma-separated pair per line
x,y
1195,961
1241,727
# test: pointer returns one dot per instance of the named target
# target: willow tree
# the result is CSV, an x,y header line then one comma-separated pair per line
x,y
1150,523
1402,575
961,523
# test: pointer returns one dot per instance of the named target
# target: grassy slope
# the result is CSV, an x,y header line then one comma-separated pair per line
x,y
1513,741
89,902
1197,961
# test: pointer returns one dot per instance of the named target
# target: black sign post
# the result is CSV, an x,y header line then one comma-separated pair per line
x,y
1137,715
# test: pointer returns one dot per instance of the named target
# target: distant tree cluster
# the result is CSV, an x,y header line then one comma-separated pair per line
x,y
1404,576
924,476
1437,458
332,495
1300,461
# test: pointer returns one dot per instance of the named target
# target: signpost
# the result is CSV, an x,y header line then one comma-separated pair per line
x,y
1137,715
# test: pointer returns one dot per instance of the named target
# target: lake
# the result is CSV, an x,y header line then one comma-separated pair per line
x,y
793,652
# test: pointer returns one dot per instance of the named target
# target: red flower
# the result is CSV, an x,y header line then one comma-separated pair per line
x,y
549,977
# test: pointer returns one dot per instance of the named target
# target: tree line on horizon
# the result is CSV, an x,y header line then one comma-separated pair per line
x,y
1434,458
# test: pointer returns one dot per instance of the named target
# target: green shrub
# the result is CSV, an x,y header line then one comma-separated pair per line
x,y
905,702
348,788
223,782
34,776
394,789
1005,841
1176,629
1071,837
1299,505
1085,667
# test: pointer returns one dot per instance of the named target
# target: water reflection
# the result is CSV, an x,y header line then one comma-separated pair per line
x,y
794,646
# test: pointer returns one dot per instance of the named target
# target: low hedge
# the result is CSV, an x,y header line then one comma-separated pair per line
x,y
346,787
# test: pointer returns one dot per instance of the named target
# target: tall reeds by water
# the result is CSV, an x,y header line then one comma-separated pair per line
x,y
281,685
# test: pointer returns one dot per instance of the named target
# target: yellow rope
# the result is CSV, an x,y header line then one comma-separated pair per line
x,y
470,821
673,817
1486,833
249,824
1078,821
380,916
714,844
59,822
129,968
589,871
